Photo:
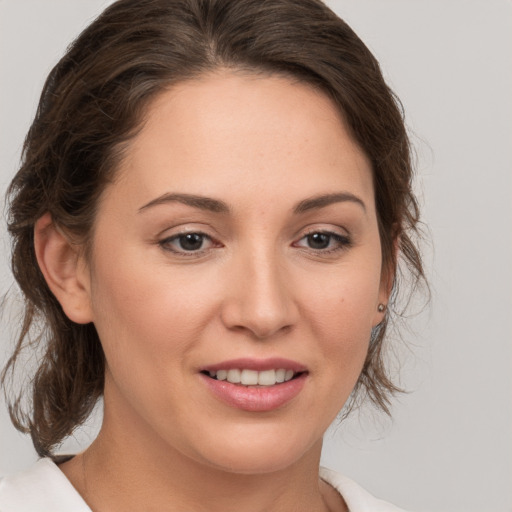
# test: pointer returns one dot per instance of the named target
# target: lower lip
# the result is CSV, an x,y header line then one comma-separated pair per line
x,y
256,399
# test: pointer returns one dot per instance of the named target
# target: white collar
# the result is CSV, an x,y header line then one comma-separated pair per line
x,y
356,498
41,488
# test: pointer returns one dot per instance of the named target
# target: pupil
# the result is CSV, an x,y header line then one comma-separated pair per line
x,y
191,241
319,240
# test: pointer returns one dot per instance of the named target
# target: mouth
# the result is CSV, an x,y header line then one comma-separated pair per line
x,y
255,385
254,378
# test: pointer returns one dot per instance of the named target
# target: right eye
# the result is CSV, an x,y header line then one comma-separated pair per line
x,y
184,243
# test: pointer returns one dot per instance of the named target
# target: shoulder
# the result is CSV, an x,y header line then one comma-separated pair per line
x,y
41,488
356,498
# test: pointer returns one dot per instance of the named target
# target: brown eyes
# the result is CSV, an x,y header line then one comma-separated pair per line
x,y
195,243
323,240
190,241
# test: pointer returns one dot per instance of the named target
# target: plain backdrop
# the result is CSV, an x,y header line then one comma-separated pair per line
x,y
449,445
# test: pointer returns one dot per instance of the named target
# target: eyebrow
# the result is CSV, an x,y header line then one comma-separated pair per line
x,y
217,206
324,200
201,202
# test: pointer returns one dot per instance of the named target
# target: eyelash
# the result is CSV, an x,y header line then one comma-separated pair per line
x,y
343,242
166,243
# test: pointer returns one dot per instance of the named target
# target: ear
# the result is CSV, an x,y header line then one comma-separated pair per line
x,y
387,280
64,269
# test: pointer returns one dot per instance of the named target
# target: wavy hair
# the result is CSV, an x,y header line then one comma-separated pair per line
x,y
93,103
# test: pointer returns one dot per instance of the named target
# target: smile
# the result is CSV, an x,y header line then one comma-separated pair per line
x,y
248,377
255,385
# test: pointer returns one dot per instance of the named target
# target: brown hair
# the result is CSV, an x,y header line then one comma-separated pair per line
x,y
94,101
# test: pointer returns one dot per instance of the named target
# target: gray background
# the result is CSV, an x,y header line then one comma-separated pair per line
x,y
449,446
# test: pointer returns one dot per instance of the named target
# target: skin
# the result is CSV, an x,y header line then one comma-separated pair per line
x,y
256,288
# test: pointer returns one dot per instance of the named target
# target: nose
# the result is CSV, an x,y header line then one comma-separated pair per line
x,y
260,297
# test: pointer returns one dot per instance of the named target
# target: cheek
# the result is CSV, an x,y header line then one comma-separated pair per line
x,y
148,327
146,312
341,312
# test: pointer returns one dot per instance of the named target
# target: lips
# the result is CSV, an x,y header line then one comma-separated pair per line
x,y
255,385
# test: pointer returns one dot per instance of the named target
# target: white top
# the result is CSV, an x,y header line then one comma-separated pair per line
x,y
44,488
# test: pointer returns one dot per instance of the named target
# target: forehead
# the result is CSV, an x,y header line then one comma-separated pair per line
x,y
229,131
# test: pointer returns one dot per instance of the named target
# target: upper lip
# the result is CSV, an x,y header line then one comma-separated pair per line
x,y
273,363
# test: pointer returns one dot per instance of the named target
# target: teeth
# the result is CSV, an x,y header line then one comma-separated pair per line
x,y
234,376
253,377
267,378
249,377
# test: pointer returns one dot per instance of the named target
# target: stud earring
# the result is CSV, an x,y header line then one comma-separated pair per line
x,y
381,308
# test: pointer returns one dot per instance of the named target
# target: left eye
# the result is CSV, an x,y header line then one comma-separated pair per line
x,y
187,242
323,241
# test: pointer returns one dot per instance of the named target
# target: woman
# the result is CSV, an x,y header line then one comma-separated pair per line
x,y
212,204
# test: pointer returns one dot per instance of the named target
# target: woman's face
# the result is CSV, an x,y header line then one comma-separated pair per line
x,y
239,241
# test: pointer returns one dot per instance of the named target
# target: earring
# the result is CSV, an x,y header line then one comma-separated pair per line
x,y
381,308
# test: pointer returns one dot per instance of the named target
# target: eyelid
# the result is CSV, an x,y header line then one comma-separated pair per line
x,y
328,229
165,243
343,240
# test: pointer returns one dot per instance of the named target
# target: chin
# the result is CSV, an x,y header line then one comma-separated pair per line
x,y
254,464
260,454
